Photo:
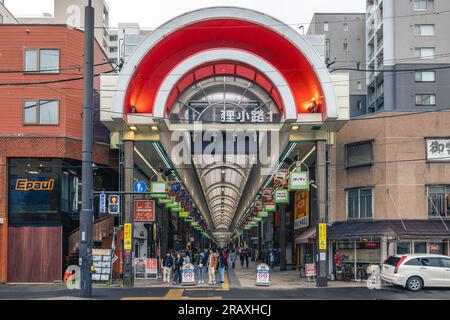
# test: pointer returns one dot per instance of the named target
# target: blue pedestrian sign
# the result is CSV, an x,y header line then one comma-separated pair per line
x,y
102,204
140,186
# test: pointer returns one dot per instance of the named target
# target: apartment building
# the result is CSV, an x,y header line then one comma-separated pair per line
x,y
125,39
345,48
71,13
6,16
404,35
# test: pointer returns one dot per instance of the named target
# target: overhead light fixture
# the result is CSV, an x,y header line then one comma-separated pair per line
x,y
133,128
295,128
154,128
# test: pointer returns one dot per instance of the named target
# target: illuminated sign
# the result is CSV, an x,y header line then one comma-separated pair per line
x,y
27,185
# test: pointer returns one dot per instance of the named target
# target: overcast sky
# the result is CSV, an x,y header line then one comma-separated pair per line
x,y
152,13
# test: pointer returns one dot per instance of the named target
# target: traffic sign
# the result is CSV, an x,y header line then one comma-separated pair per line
x,y
102,203
140,186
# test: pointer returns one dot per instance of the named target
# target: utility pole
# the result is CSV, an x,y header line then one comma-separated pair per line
x,y
87,214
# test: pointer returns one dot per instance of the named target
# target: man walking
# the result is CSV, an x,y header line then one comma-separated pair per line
x,y
167,267
213,261
233,258
222,265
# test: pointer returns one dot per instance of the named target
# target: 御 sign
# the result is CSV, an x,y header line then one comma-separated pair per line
x,y
299,180
438,149
144,210
281,196
127,236
322,236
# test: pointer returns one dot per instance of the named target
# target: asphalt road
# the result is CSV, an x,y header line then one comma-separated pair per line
x,y
59,292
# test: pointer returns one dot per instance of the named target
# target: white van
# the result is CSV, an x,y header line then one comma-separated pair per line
x,y
415,271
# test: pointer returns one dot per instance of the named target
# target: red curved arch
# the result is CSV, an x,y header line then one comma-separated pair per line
x,y
224,68
222,33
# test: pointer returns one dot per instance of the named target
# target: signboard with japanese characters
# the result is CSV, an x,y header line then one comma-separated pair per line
x,y
301,209
127,236
102,264
280,179
267,195
299,180
144,210
281,196
263,275
188,274
310,270
438,149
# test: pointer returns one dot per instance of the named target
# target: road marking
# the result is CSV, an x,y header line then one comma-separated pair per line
x,y
173,294
225,285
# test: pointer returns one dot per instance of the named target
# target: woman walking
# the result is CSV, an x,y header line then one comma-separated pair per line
x,y
178,267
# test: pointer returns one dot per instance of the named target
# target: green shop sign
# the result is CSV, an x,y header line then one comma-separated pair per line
x,y
299,180
183,214
270,208
281,196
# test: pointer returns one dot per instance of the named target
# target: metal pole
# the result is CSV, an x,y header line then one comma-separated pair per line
x,y
87,214
283,262
321,280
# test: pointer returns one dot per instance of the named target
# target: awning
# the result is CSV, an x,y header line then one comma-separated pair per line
x,y
413,229
306,236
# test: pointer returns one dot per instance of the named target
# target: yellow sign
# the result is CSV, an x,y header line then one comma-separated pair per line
x,y
322,236
127,236
27,185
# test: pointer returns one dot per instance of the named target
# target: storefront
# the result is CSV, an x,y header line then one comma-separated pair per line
x,y
43,211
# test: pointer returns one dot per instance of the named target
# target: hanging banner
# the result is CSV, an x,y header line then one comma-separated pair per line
x,y
281,196
299,180
280,179
322,236
158,187
127,236
267,195
301,217
144,210
270,207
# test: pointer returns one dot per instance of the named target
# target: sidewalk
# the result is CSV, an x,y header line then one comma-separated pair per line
x,y
282,279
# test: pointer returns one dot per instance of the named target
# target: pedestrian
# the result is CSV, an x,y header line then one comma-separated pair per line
x,y
213,260
222,264
167,267
271,259
246,258
241,258
233,258
178,267
202,267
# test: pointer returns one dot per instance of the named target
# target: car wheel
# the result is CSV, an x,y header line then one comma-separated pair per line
x,y
414,284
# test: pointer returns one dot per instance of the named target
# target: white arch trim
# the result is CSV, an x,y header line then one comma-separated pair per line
x,y
233,13
225,54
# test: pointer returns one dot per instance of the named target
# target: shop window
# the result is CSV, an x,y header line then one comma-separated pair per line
x,y
420,247
438,201
42,112
403,248
42,60
436,248
359,154
359,203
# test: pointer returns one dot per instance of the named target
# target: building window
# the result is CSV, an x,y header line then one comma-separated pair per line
x,y
420,247
42,60
423,5
425,76
359,154
424,29
403,248
345,46
359,203
345,27
359,85
360,105
438,201
112,49
326,27
113,38
1,19
425,100
327,48
42,112
425,53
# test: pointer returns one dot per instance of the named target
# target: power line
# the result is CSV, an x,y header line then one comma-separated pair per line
x,y
79,67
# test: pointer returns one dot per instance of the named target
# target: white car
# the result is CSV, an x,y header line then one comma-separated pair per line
x,y
415,271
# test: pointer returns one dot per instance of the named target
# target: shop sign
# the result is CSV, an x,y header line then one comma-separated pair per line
x,y
127,236
172,205
183,214
158,187
310,269
270,207
438,149
280,179
281,196
188,274
322,236
263,275
267,195
144,210
28,185
165,200
301,218
101,259
299,180
145,268
263,215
